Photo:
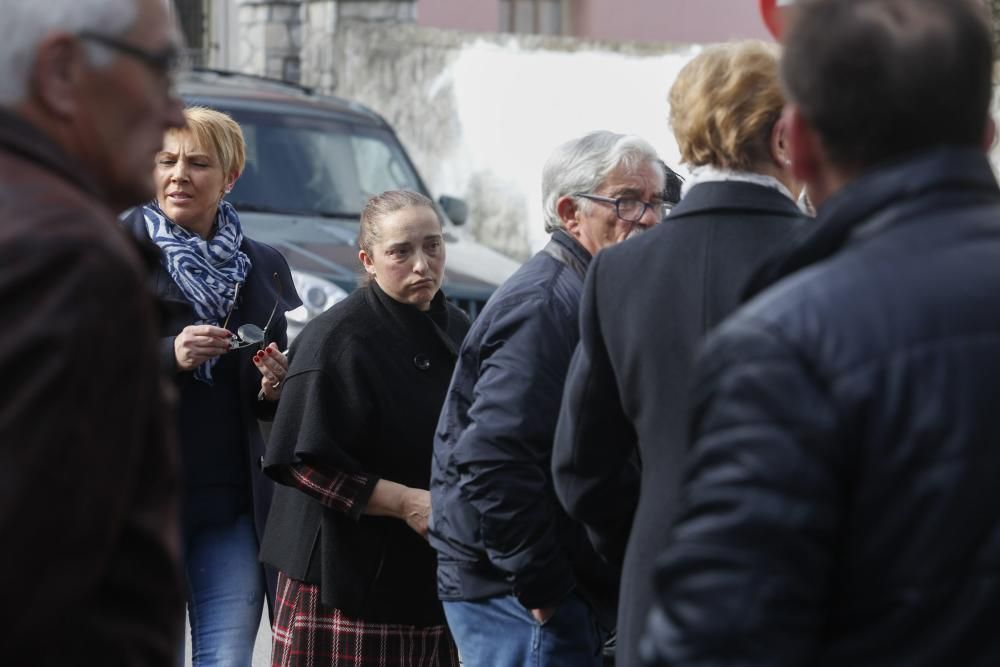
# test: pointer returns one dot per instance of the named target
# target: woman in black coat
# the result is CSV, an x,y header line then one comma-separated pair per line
x,y
647,303
213,280
352,444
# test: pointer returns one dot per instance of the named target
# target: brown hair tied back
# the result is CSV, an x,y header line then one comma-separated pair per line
x,y
378,207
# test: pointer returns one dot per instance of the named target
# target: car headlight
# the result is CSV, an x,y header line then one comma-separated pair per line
x,y
317,296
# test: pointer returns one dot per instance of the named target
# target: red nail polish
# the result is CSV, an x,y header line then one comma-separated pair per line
x,y
266,350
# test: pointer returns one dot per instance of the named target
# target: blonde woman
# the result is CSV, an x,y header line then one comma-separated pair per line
x,y
214,281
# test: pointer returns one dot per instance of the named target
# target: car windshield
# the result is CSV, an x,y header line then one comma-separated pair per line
x,y
321,167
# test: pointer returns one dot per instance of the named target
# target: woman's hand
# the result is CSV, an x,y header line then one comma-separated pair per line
x,y
417,510
273,367
198,343
401,502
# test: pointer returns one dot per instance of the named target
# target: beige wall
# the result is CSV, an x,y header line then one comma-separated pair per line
x,y
632,20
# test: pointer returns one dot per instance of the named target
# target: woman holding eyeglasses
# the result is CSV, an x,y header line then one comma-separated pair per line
x,y
352,445
226,295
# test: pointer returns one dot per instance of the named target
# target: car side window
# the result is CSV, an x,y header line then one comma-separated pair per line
x,y
378,168
309,165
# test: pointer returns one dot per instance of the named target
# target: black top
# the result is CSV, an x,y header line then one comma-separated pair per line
x,y
363,394
646,305
840,503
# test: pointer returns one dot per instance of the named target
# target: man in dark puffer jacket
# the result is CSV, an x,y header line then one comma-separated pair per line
x,y
842,504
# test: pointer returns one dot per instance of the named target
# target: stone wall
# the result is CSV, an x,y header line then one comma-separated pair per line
x,y
270,34
319,20
281,38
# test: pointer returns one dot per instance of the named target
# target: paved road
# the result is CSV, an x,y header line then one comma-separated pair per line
x,y
261,650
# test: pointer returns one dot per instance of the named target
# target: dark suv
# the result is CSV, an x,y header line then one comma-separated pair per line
x,y
312,162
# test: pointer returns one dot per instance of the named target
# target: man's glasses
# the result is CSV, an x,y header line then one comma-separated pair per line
x,y
629,209
251,334
166,63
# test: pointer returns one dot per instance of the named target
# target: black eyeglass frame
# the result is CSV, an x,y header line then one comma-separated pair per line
x,y
646,206
237,342
165,63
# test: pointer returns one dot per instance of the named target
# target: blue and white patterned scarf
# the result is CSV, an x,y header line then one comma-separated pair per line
x,y
205,271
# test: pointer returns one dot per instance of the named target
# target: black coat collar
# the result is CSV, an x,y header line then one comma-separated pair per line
x,y
883,198
408,319
566,249
733,196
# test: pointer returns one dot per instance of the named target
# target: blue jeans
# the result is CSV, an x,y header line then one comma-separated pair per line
x,y
225,591
499,632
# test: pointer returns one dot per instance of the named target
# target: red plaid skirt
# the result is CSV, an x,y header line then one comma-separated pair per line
x,y
307,634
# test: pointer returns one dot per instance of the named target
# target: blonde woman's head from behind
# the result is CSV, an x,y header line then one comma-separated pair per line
x,y
725,109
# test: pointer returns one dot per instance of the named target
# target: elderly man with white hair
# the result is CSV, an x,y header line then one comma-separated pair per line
x,y
520,582
87,499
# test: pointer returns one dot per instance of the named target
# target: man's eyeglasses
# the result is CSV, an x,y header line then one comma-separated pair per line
x,y
251,334
629,209
166,63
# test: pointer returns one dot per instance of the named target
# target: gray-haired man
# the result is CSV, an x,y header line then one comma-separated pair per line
x,y
520,582
87,512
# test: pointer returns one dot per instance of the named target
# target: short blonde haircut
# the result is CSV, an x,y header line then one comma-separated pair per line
x,y
724,105
219,133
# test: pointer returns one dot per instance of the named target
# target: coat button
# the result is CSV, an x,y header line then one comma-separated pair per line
x,y
422,362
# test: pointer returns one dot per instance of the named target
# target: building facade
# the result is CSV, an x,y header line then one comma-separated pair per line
x,y
691,21
276,37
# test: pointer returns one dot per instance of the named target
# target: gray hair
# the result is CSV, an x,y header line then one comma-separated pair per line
x,y
27,22
583,164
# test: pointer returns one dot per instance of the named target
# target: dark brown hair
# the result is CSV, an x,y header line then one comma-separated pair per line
x,y
881,79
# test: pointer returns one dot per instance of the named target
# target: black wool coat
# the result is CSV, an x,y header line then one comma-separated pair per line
x,y
646,305
363,394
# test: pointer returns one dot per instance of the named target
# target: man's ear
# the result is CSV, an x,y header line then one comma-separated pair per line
x,y
566,209
990,134
56,72
811,164
801,145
